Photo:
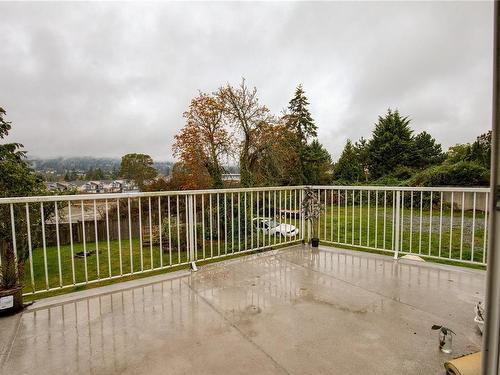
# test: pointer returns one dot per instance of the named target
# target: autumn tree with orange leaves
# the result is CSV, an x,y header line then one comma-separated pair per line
x,y
201,145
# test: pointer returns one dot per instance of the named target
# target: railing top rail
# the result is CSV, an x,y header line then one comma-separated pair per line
x,y
84,197
405,188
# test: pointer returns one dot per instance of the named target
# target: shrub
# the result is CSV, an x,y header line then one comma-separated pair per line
x,y
463,173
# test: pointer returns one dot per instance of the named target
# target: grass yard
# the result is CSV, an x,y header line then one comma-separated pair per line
x,y
429,235
64,268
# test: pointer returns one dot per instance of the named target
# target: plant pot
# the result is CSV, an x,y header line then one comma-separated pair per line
x,y
11,300
315,242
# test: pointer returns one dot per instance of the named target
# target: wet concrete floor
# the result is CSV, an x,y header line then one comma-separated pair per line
x,y
291,311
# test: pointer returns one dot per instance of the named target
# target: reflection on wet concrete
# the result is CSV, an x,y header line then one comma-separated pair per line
x,y
290,311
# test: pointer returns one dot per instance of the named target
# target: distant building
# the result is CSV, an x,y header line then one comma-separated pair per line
x,y
59,187
231,177
92,187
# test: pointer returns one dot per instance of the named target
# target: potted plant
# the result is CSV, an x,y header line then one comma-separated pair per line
x,y
11,290
311,211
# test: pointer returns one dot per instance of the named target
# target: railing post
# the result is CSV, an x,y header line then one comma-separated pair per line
x,y
302,221
190,224
397,224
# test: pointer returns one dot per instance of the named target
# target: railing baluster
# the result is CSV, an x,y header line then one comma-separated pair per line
x,y
274,218
360,216
186,227
239,221
232,223
252,223
119,229
169,220
451,224
107,237
150,234
13,230
319,219
160,234
401,232
44,244
385,219
30,249
352,220
440,224
331,215
195,230
485,235
70,240
178,225
258,221
473,234
131,259
345,216
269,216
420,223
411,221
376,219
140,235
218,225
430,224
225,223
211,229
96,241
203,225
58,244
325,216
84,243
393,222
295,213
462,226
338,215
246,220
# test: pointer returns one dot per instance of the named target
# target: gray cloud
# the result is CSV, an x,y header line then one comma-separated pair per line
x,y
105,79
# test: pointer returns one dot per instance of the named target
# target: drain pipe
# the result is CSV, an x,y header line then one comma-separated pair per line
x,y
491,340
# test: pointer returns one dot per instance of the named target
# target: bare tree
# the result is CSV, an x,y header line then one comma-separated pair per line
x,y
243,112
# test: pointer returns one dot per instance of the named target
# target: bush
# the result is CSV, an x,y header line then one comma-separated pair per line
x,y
387,181
175,239
463,173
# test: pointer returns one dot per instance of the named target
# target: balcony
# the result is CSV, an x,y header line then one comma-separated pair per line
x,y
270,305
292,311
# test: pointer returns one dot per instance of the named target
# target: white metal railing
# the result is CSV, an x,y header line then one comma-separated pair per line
x,y
73,240
436,222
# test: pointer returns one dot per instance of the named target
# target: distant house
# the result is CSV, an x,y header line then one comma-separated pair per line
x,y
115,186
59,187
92,187
118,186
231,177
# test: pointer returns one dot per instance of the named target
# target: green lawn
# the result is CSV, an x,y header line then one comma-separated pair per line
x,y
367,229
117,261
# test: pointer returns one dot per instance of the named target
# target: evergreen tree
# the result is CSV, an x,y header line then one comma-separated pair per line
x,y
299,118
391,145
301,124
348,168
426,151
316,163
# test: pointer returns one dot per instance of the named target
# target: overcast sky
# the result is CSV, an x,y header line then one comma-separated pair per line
x,y
105,79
